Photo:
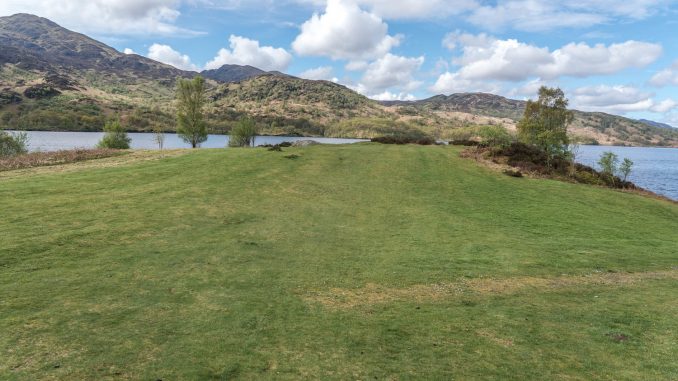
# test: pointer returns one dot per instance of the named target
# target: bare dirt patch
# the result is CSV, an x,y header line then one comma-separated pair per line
x,y
371,294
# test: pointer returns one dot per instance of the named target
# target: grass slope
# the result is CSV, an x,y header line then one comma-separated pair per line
x,y
348,262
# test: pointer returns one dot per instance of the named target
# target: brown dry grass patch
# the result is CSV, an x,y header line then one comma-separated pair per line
x,y
120,158
372,294
43,159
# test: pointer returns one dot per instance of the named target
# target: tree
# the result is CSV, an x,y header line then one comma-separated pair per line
x,y
626,167
608,163
573,148
243,134
13,143
544,123
115,137
159,137
191,125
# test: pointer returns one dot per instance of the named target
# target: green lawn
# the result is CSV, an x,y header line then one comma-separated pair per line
x,y
349,262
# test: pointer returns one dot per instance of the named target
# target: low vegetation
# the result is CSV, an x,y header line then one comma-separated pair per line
x,y
13,143
543,146
349,262
243,134
115,136
43,159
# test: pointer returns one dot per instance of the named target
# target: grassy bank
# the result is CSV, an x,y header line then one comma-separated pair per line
x,y
346,262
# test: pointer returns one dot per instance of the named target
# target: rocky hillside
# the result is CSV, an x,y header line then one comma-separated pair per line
x,y
35,43
235,73
55,79
591,126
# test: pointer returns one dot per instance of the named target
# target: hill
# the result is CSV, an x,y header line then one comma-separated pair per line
x,y
55,79
346,262
656,124
593,126
232,73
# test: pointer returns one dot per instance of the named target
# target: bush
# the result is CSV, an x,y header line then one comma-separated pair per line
x,y
12,144
243,134
424,141
116,137
513,173
486,136
464,142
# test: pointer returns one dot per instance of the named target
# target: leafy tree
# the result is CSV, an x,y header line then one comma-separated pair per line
x,y
13,143
243,134
115,137
608,163
191,125
544,123
626,167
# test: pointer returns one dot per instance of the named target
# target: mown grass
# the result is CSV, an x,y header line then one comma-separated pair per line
x,y
237,264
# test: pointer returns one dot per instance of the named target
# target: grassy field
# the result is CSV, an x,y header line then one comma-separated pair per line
x,y
346,262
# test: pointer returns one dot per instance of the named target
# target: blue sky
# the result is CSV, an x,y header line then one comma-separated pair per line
x,y
616,57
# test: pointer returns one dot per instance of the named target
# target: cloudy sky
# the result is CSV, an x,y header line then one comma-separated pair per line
x,y
611,56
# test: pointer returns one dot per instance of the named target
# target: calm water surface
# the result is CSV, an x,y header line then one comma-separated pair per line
x,y
53,141
655,169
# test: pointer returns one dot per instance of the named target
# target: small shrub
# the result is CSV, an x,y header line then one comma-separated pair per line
x,y
513,173
12,144
586,177
465,143
116,137
625,168
608,163
243,134
402,139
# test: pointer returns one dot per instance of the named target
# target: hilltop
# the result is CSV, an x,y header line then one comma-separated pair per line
x,y
56,79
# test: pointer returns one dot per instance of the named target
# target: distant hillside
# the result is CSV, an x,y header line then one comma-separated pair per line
x,y
656,124
232,73
35,43
55,79
593,126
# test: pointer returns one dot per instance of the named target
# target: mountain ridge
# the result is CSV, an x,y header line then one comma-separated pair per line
x,y
53,78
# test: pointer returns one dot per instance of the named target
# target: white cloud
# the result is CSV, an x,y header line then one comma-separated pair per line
x,y
118,17
619,100
165,54
449,83
129,51
344,31
534,15
671,119
666,77
484,57
357,65
665,106
389,96
582,60
319,73
392,71
418,9
244,51
530,89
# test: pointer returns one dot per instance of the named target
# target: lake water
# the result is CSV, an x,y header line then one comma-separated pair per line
x,y
655,169
54,141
